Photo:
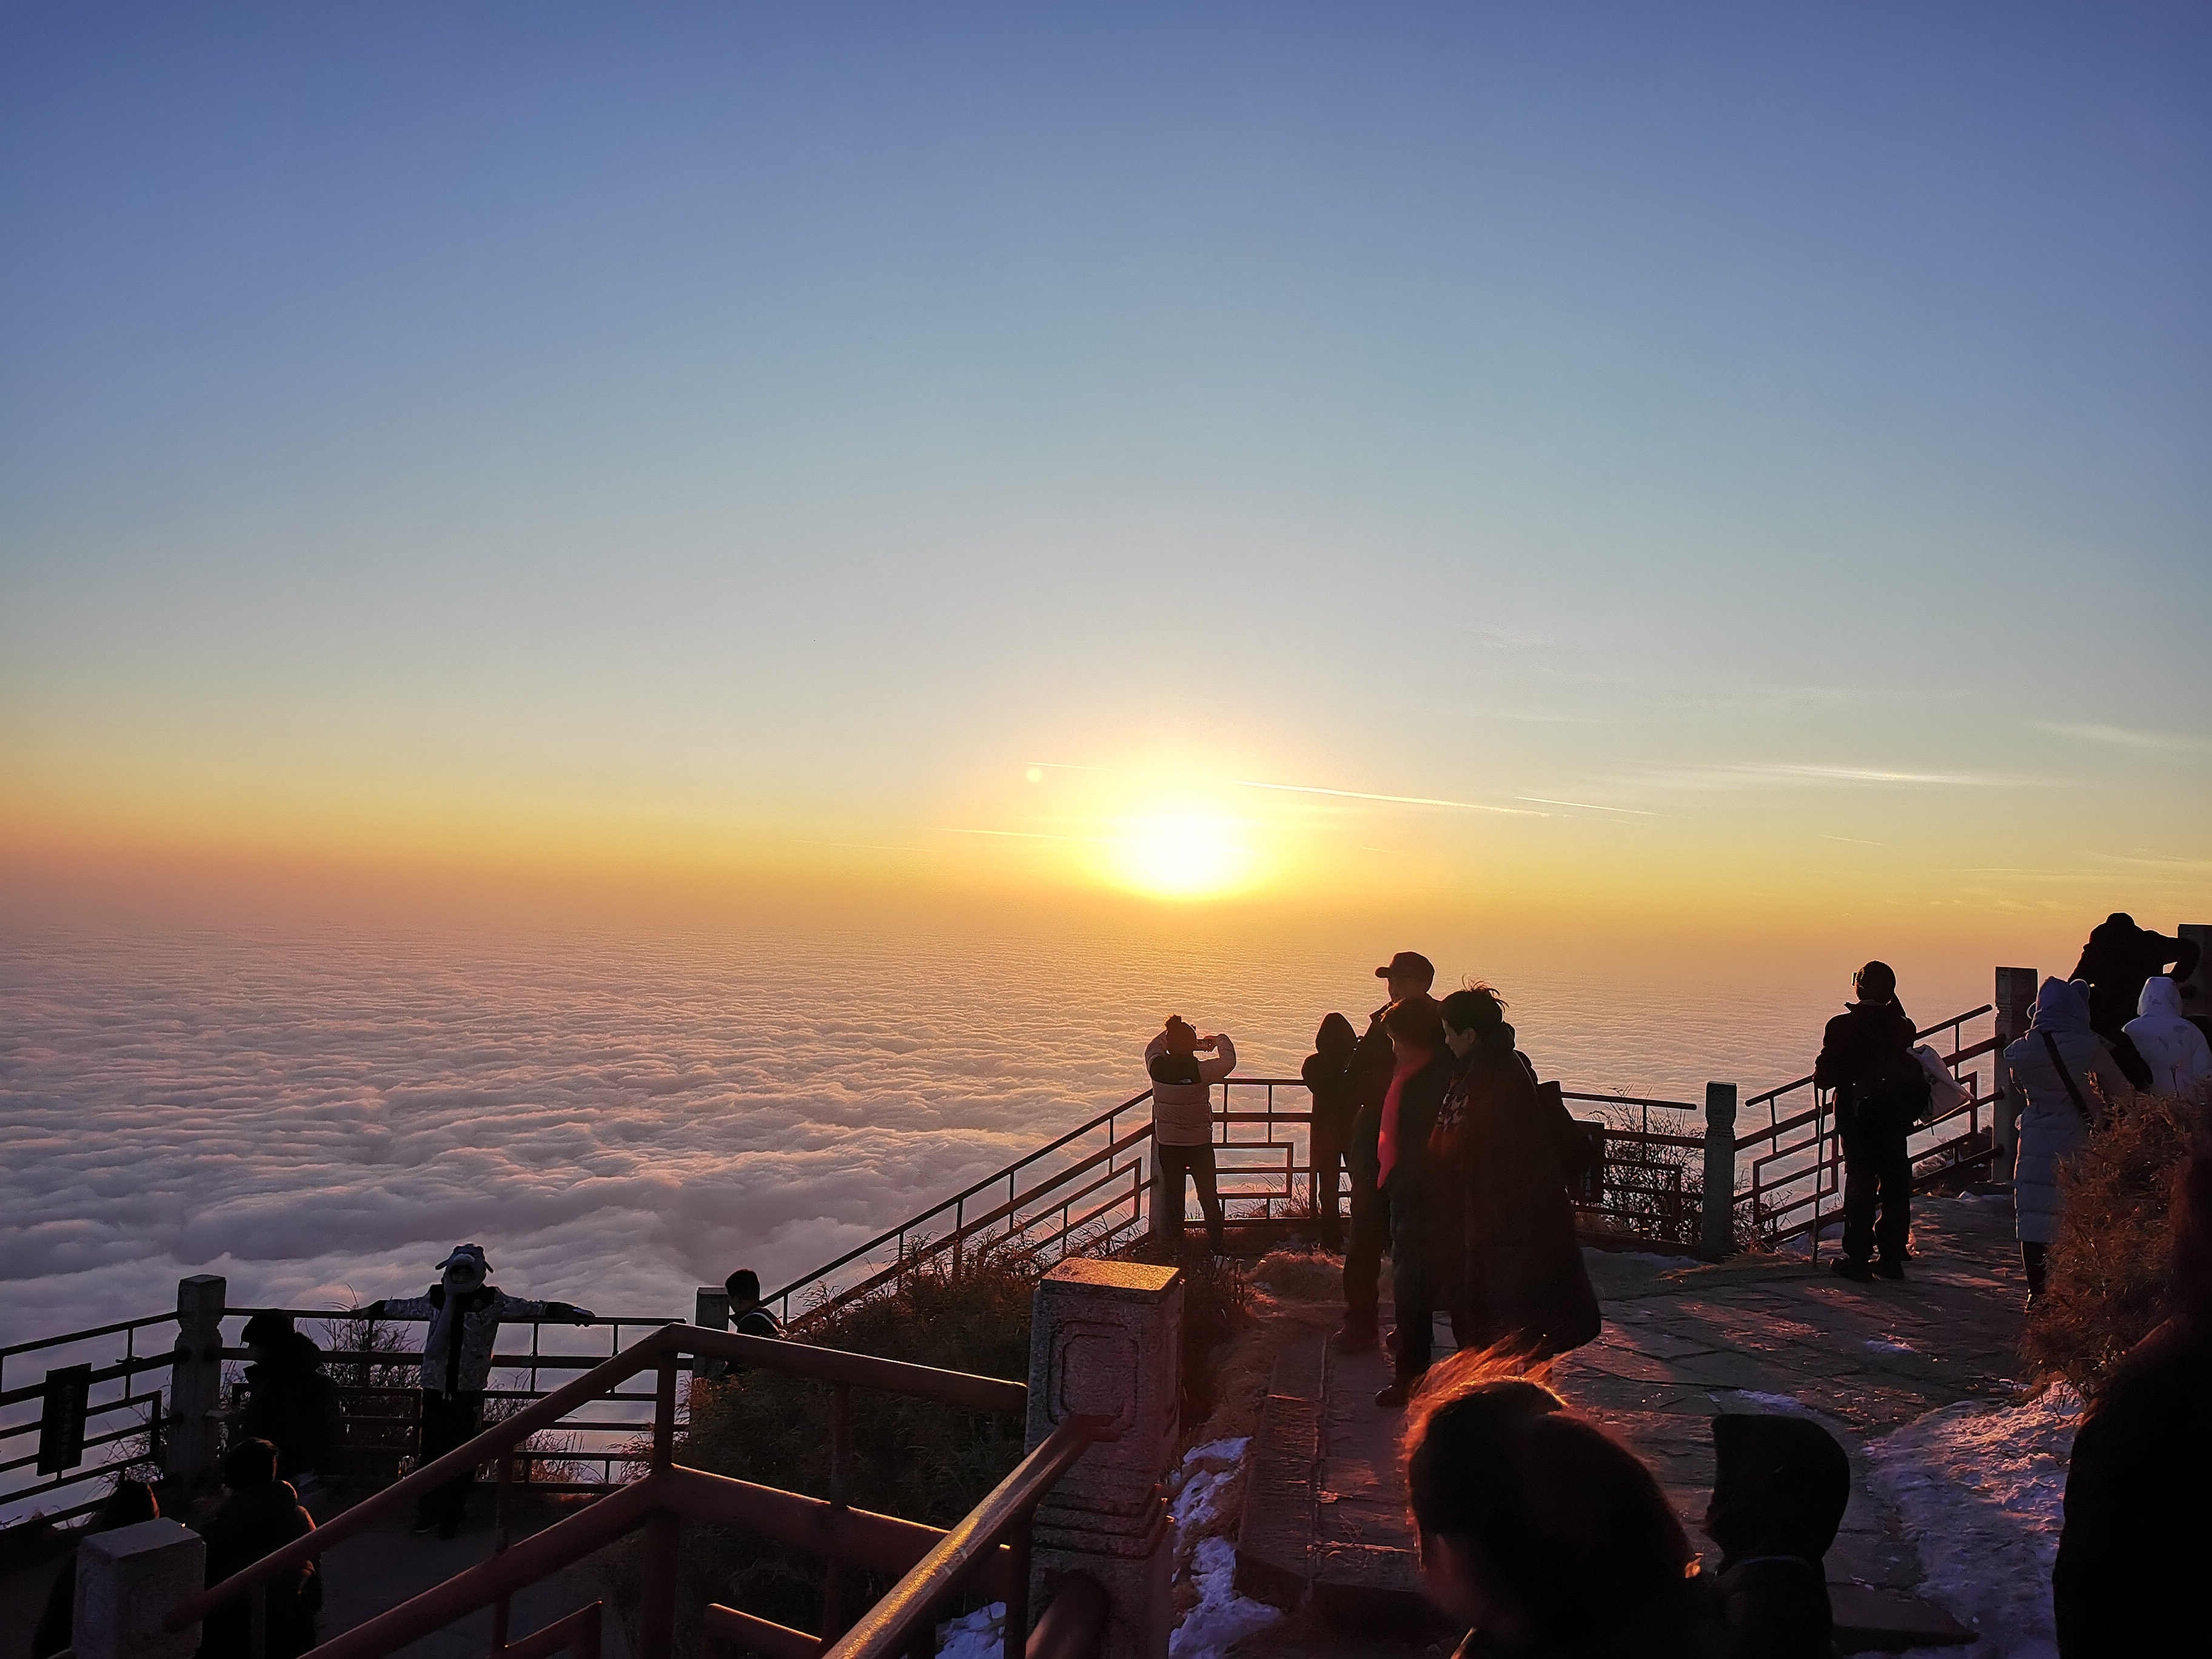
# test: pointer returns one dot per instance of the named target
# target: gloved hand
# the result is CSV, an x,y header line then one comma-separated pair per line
x,y
580,1316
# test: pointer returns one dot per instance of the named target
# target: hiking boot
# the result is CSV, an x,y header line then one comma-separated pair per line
x,y
1392,1397
1857,1272
1352,1340
423,1524
449,1530
1889,1268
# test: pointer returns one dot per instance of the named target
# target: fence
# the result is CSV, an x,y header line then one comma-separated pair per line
x,y
1089,1190
988,1551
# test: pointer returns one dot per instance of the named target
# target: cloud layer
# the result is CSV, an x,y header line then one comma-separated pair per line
x,y
618,1122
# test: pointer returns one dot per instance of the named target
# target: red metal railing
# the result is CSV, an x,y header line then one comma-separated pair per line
x,y
987,1551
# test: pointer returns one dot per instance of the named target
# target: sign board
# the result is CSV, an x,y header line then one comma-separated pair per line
x,y
61,1418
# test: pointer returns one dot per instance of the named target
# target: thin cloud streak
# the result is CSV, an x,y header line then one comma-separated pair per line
x,y
1591,806
1395,800
1028,835
2116,736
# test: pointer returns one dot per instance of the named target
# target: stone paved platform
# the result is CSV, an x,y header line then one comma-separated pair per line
x,y
1681,1343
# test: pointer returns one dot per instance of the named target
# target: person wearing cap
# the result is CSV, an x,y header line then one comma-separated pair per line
x,y
1182,1124
1866,1057
289,1403
465,1314
1372,1065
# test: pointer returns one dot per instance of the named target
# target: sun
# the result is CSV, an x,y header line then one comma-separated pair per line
x,y
1183,855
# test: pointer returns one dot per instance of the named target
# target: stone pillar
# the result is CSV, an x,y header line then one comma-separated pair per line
x,y
1106,1340
1716,1220
2015,996
710,1311
196,1378
127,1581
2197,989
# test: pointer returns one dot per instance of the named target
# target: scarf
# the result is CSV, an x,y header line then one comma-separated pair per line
x,y
1387,1142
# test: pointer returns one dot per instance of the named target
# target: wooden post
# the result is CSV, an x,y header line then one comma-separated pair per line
x,y
2015,996
1106,1340
196,1378
1716,1220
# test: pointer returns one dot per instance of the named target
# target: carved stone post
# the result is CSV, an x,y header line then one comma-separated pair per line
x,y
196,1378
2016,989
127,1581
710,1311
1717,1218
1106,1340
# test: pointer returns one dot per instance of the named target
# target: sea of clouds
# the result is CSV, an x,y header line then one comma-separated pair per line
x,y
318,1116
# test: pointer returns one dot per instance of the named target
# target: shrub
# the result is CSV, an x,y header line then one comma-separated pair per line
x,y
2110,1266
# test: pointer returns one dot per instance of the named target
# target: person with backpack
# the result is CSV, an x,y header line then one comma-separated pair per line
x,y
1497,1145
2065,1078
1866,1057
2117,960
1328,1079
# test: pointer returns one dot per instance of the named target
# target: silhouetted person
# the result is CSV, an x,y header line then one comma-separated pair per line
x,y
131,1502
1519,1278
749,1316
260,1514
1866,1057
1327,1074
1423,1210
2064,1077
1408,974
2130,1579
1183,1123
289,1403
1539,1532
465,1314
1780,1487
2172,1050
2118,957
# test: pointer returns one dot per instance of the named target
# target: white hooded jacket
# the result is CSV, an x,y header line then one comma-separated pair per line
x,y
2176,1052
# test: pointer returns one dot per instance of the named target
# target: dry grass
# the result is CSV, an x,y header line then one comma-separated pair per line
x,y
2110,1266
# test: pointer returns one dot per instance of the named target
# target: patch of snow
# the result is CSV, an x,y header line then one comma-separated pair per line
x,y
1771,1402
1981,1487
1646,1256
977,1635
1887,1344
1222,1617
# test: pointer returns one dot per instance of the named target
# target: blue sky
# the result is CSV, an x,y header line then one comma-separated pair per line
x,y
756,429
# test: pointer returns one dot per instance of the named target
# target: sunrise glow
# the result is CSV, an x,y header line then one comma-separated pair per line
x,y
1184,855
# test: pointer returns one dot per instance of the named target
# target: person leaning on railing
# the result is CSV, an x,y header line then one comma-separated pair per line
x,y
465,1314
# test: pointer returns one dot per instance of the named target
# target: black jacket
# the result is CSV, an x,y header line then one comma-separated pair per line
x,y
1866,1046
250,1525
1780,1487
2129,1578
1330,1079
2118,957
293,1405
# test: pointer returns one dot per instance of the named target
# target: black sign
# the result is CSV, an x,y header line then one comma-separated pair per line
x,y
61,1418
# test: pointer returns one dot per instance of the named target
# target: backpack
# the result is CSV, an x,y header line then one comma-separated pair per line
x,y
1897,1081
1945,1092
1579,1147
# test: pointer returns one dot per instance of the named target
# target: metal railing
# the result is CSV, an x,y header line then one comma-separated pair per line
x,y
987,1551
116,1415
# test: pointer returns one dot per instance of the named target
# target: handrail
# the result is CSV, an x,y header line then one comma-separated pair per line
x,y
831,1365
890,1627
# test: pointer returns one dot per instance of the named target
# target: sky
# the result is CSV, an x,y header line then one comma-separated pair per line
x,y
1716,471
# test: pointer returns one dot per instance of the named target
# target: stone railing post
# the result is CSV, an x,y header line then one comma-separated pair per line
x,y
127,1581
1716,1217
2015,997
196,1378
1106,1340
710,1311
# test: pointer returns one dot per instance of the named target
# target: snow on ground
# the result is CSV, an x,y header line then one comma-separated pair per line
x,y
977,1635
1980,1487
1221,1616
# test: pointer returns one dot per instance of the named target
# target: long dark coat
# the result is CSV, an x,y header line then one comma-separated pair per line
x,y
1522,1278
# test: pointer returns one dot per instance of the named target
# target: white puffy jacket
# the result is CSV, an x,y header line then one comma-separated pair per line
x,y
2176,1052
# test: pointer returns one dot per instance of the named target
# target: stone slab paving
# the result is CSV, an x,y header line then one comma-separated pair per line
x,y
1680,1344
